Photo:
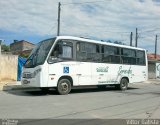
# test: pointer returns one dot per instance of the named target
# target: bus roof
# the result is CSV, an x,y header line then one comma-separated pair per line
x,y
97,42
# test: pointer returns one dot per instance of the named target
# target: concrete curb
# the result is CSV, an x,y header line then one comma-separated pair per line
x,y
8,86
17,87
3,84
152,81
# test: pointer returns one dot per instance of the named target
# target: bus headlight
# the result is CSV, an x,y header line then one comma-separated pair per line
x,y
36,72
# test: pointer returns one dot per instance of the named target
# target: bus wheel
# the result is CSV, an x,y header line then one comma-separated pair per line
x,y
123,84
64,86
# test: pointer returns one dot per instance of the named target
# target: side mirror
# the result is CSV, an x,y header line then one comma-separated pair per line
x,y
60,49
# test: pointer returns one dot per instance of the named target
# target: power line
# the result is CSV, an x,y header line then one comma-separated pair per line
x,y
98,28
117,31
53,27
148,31
87,2
141,37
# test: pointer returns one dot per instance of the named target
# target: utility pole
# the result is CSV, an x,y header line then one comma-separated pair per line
x,y
131,39
58,28
136,37
0,46
156,47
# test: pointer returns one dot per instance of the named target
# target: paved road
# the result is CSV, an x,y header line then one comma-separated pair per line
x,y
139,101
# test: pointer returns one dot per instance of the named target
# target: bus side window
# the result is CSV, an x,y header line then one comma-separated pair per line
x,y
141,58
128,56
63,50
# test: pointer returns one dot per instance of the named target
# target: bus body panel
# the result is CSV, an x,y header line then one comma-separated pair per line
x,y
36,81
57,70
80,72
112,73
84,73
101,74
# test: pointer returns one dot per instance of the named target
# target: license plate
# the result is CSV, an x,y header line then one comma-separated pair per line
x,y
26,82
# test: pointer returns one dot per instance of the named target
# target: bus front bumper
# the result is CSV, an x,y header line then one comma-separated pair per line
x,y
30,82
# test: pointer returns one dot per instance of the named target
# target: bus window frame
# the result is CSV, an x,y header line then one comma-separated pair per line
x,y
61,59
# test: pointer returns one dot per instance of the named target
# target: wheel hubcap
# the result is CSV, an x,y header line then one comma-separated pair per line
x,y
64,87
124,84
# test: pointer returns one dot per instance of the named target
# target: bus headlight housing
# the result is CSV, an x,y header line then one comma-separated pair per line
x,y
36,72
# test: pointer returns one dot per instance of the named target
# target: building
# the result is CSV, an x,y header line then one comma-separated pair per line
x,y
152,57
153,72
21,47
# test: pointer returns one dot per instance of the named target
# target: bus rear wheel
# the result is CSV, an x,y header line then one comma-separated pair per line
x,y
123,84
64,86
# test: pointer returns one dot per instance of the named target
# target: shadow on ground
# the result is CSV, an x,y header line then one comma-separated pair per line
x,y
38,92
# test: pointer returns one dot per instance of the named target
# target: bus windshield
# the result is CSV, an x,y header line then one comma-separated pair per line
x,y
39,53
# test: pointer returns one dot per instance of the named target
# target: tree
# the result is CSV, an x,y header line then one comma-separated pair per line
x,y
109,41
24,55
5,48
119,42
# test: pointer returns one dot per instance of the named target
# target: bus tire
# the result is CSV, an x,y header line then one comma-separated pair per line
x,y
64,86
123,84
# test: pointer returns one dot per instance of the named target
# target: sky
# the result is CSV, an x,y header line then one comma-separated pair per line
x,y
36,20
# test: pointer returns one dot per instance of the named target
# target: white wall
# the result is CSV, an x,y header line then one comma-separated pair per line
x,y
158,70
8,67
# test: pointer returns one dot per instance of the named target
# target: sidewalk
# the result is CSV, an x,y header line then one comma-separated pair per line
x,y
12,85
7,85
152,81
